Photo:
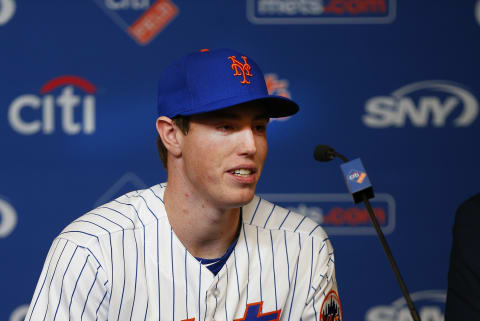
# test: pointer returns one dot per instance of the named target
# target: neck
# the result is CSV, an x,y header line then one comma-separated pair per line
x,y
205,230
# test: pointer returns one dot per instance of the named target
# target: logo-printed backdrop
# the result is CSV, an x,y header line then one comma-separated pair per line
x,y
395,83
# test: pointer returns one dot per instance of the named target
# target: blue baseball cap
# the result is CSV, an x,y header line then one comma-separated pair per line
x,y
214,79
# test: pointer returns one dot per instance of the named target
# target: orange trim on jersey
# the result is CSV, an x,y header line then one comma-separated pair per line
x,y
259,314
340,316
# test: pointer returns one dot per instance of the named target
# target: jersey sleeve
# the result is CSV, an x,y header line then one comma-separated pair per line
x,y
72,286
323,300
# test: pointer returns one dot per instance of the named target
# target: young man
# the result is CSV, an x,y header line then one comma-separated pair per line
x,y
203,246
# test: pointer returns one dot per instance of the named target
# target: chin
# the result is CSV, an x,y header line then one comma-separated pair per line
x,y
238,199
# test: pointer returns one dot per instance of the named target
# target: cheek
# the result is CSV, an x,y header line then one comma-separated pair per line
x,y
262,149
208,160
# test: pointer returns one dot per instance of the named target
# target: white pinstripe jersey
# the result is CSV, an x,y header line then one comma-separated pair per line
x,y
122,261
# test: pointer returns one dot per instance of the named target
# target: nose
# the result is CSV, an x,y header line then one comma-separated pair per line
x,y
248,145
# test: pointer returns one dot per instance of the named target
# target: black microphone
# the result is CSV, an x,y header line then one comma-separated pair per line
x,y
324,153
361,190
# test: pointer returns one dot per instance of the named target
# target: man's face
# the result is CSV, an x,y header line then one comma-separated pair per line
x,y
224,153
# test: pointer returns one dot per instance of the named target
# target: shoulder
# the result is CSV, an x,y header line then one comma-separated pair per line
x,y
264,214
131,211
469,209
467,222
467,218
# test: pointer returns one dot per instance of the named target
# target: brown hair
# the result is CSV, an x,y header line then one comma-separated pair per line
x,y
183,123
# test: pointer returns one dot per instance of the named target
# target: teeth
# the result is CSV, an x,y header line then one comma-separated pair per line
x,y
242,172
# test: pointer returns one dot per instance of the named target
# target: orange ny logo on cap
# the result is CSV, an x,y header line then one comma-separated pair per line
x,y
238,66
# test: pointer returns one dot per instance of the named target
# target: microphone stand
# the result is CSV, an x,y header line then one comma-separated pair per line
x,y
386,248
389,255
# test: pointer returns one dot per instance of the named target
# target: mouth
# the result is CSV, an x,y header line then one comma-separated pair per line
x,y
242,172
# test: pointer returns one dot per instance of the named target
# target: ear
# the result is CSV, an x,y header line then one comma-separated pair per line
x,y
170,135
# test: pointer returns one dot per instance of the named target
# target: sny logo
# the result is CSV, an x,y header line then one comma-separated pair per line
x,y
244,68
430,305
7,10
423,103
8,218
19,313
477,11
67,101
153,19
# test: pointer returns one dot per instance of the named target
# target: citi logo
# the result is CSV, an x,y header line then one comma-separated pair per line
x,y
432,103
8,218
31,114
357,176
7,10
353,175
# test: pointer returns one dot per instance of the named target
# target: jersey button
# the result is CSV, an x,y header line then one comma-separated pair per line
x,y
216,293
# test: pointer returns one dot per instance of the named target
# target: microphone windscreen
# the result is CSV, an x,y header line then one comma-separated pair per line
x,y
324,153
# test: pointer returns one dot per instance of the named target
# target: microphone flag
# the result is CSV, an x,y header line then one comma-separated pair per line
x,y
357,180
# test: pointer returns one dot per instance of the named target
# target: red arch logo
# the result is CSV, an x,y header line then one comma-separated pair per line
x,y
68,80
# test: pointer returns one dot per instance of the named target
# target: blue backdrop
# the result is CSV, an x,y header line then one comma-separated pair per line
x,y
392,82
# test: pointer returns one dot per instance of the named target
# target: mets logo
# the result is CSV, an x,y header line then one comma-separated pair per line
x,y
143,20
331,309
253,312
241,69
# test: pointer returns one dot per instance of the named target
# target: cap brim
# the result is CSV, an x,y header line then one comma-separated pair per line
x,y
275,106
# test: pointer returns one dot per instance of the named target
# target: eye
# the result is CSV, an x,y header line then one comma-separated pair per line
x,y
225,127
260,128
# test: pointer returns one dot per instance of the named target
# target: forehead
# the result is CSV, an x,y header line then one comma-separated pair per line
x,y
250,110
